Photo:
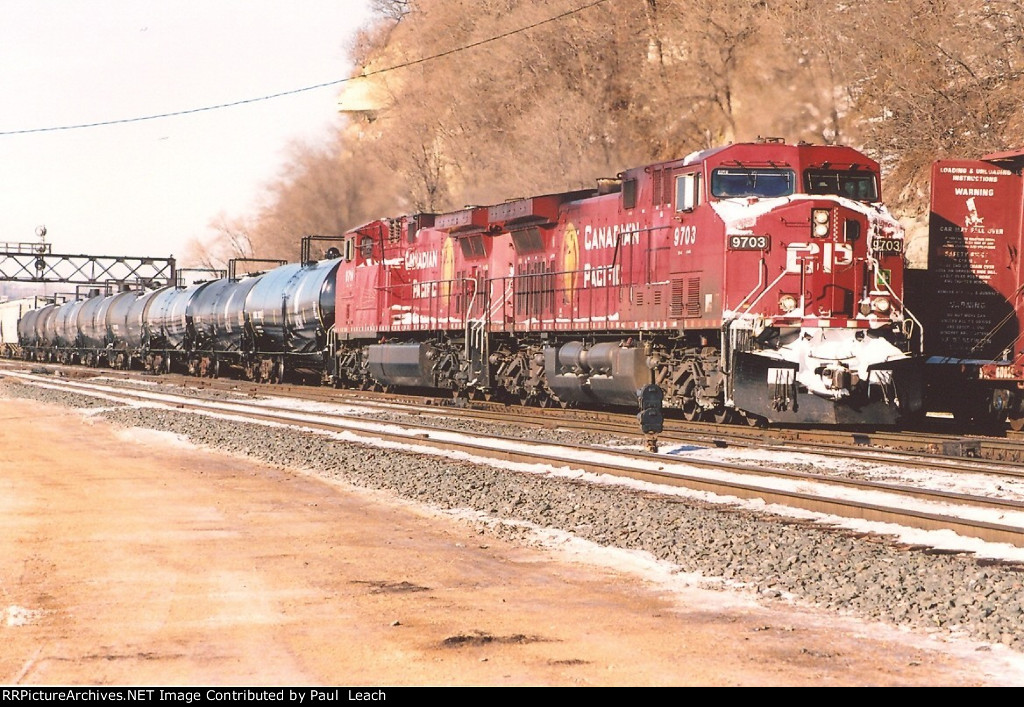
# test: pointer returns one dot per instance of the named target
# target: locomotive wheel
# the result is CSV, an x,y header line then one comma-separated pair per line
x,y
722,415
1016,423
755,420
690,410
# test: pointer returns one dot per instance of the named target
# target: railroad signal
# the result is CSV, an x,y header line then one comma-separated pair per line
x,y
650,417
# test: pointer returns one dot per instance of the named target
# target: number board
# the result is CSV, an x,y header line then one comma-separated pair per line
x,y
885,246
749,242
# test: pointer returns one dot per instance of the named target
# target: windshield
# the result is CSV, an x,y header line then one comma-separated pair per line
x,y
739,181
857,185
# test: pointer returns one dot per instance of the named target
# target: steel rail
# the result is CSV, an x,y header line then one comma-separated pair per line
x,y
736,480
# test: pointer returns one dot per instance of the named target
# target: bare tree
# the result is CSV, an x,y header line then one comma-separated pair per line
x,y
513,102
232,240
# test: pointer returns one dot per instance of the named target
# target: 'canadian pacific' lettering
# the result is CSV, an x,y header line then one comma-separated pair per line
x,y
610,236
421,260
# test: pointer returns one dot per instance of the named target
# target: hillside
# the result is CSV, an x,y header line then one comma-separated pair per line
x,y
474,102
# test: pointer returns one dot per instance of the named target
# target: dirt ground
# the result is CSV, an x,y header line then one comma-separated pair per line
x,y
130,559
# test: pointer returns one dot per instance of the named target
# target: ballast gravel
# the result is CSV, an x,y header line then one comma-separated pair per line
x,y
779,558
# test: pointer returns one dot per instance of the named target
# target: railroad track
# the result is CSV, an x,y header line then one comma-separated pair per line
x,y
935,439
918,505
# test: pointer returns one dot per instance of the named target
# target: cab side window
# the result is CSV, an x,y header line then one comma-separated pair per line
x,y
688,191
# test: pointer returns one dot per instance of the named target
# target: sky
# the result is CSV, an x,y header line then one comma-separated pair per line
x,y
145,188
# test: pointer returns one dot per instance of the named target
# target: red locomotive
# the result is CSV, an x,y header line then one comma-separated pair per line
x,y
971,297
758,280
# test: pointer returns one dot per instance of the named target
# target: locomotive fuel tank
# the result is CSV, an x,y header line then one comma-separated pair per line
x,y
409,364
606,373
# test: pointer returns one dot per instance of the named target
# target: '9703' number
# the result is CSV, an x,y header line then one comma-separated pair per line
x,y
749,242
886,245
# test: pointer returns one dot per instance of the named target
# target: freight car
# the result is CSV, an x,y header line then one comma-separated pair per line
x,y
11,312
262,326
759,280
971,296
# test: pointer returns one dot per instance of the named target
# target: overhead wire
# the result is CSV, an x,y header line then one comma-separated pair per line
x,y
326,84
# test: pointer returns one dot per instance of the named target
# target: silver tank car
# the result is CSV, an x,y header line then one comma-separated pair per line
x,y
218,315
27,328
117,317
45,331
120,353
291,307
134,334
166,320
67,324
11,313
229,323
92,323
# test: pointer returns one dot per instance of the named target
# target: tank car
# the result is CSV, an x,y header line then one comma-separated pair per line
x,y
221,333
68,344
37,332
289,311
11,313
118,346
971,296
761,279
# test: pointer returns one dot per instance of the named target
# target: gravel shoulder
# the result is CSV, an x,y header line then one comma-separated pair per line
x,y
131,558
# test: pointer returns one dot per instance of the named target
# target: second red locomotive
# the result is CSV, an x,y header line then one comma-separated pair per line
x,y
759,280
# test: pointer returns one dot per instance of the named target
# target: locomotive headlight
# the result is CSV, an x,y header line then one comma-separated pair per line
x,y
880,305
787,303
820,222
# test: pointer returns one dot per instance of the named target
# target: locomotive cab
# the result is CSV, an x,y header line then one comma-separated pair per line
x,y
787,266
